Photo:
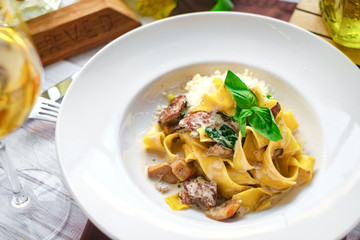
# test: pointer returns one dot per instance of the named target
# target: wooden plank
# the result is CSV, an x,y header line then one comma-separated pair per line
x,y
309,5
309,21
79,27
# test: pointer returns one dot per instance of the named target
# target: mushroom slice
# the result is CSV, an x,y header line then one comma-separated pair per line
x,y
224,211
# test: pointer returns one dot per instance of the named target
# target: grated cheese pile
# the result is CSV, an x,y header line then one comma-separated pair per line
x,y
200,85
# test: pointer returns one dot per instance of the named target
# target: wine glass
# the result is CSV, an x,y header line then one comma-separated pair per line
x,y
34,203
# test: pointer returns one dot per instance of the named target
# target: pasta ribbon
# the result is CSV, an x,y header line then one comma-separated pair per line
x,y
203,136
189,154
168,143
154,139
271,103
258,93
252,152
240,161
221,100
191,157
259,139
240,177
214,168
306,165
268,175
287,167
288,143
290,120
251,198
257,171
175,204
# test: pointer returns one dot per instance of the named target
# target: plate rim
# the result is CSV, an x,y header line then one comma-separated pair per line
x,y
174,18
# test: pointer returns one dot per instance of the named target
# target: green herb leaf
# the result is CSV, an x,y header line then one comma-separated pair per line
x,y
225,135
233,82
183,113
259,118
263,122
241,117
223,5
242,95
245,99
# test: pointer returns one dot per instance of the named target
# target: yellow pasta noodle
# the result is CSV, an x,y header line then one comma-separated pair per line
x,y
290,120
240,160
168,143
214,169
252,198
220,100
154,139
175,203
204,145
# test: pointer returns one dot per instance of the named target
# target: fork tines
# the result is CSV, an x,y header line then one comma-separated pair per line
x,y
45,109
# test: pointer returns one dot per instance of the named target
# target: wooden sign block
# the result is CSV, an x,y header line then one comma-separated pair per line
x,y
79,27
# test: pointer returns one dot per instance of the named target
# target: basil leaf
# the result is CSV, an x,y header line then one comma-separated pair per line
x,y
224,135
243,97
262,121
233,82
183,113
241,117
259,118
223,5
226,117
237,113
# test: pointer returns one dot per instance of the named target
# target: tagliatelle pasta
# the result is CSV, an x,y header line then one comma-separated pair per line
x,y
229,145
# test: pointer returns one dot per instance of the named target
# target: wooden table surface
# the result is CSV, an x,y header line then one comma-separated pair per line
x,y
308,16
33,145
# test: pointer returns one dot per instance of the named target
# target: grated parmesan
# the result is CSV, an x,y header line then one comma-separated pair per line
x,y
199,85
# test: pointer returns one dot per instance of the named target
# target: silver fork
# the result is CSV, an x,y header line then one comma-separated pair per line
x,y
45,109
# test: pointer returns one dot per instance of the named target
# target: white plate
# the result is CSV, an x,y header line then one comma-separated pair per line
x,y
111,104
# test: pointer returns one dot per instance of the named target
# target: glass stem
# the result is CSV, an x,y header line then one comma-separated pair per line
x,y
19,198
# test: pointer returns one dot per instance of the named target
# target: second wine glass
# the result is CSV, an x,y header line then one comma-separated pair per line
x,y
34,8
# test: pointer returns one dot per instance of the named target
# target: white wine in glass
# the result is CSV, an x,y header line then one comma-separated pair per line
x,y
34,203
19,79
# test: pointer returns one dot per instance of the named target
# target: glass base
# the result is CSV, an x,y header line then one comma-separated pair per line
x,y
45,213
34,8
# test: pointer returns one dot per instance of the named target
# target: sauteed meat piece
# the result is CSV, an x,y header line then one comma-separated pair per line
x,y
224,211
171,114
277,153
275,109
182,169
199,192
193,121
219,150
162,172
